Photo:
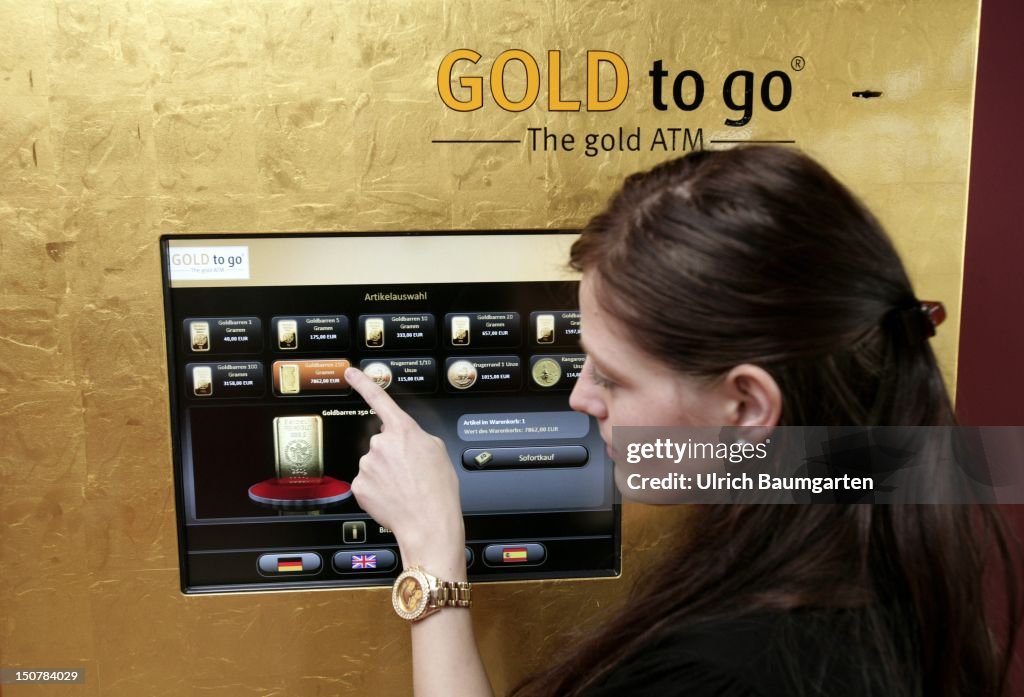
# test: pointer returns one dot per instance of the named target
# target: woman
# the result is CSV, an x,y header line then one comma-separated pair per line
x,y
766,295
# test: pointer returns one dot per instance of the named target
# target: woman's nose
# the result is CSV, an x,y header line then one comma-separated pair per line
x,y
585,397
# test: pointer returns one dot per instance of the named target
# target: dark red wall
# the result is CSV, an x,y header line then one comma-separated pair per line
x,y
990,373
990,382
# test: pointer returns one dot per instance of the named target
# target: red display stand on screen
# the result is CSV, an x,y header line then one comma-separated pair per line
x,y
300,492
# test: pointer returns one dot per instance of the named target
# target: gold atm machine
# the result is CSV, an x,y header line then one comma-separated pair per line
x,y
475,334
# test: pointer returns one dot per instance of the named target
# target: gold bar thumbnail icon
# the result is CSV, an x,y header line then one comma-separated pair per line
x,y
287,334
290,383
202,381
200,335
375,332
299,446
545,329
460,330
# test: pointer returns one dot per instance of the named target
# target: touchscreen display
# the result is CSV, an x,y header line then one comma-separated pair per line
x,y
475,335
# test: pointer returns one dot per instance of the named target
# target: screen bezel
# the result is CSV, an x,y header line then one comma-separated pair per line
x,y
175,404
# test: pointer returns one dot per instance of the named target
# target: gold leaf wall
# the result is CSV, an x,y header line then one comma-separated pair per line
x,y
120,121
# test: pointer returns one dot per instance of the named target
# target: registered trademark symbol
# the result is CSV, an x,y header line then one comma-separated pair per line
x,y
798,63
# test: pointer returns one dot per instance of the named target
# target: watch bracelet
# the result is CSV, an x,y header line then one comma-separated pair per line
x,y
454,594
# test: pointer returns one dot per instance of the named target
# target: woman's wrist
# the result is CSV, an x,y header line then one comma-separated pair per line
x,y
439,553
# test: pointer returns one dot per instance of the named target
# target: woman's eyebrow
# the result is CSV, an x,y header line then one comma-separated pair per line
x,y
601,364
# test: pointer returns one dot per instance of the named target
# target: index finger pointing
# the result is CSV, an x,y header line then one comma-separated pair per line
x,y
380,401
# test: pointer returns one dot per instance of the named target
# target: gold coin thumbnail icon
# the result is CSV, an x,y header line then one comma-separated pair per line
x,y
546,372
462,375
380,373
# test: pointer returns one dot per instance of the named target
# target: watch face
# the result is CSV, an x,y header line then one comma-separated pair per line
x,y
409,595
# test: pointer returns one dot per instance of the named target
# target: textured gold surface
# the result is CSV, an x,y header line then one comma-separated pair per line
x,y
121,121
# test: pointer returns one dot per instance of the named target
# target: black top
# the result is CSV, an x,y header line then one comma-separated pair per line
x,y
764,655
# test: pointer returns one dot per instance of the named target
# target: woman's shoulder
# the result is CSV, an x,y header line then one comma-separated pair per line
x,y
754,655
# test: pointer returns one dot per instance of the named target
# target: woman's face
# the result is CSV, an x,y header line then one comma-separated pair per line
x,y
623,385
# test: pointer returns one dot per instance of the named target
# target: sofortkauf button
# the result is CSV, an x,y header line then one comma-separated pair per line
x,y
532,457
364,560
520,554
295,564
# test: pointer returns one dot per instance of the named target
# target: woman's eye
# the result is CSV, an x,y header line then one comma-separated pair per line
x,y
600,380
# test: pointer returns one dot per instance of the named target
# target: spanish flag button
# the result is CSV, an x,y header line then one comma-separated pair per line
x,y
512,555
517,554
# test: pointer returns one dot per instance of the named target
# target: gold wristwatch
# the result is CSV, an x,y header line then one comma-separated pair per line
x,y
416,594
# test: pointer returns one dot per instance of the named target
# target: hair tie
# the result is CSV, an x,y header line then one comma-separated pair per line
x,y
922,317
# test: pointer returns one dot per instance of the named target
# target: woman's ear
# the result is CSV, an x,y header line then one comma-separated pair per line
x,y
755,401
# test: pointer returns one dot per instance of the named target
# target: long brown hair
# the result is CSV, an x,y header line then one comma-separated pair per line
x,y
758,255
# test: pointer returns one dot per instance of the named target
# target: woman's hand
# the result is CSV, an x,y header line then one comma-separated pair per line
x,y
406,482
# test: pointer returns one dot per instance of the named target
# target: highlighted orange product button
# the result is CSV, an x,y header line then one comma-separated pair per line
x,y
310,377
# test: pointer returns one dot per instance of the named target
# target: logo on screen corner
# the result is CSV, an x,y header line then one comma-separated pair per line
x,y
209,263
